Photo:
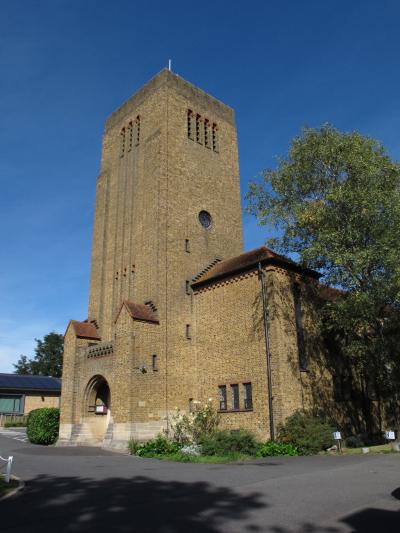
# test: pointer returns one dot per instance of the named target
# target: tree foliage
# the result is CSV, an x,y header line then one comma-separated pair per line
x,y
335,203
47,360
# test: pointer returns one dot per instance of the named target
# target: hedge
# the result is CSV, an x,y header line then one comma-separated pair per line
x,y
42,425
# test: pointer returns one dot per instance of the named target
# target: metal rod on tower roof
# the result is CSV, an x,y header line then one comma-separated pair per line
x,y
169,64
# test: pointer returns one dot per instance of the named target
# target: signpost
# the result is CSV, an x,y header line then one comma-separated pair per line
x,y
390,435
338,438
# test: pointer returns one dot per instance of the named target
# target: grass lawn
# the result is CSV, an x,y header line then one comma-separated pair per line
x,y
6,487
382,448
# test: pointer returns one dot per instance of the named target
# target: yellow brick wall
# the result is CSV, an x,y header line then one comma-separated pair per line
x,y
37,401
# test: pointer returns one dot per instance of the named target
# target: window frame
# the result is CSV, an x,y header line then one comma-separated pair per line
x,y
14,397
235,400
247,398
222,398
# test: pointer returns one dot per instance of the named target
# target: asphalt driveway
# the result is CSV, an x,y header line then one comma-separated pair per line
x,y
87,489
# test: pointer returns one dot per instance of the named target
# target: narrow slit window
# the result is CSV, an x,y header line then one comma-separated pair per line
x,y
130,135
187,286
191,409
215,144
298,312
248,396
207,143
188,331
122,143
154,365
137,131
187,246
198,129
235,396
190,128
222,398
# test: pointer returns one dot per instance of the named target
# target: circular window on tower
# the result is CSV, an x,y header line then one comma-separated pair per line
x,y
205,219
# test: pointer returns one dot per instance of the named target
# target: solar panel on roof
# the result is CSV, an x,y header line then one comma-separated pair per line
x,y
40,383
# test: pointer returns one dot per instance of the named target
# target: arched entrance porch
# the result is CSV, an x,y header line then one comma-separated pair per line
x,y
97,408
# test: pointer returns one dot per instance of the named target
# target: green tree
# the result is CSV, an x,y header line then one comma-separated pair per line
x,y
334,202
47,360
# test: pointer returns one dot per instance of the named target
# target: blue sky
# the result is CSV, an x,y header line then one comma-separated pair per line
x,y
66,65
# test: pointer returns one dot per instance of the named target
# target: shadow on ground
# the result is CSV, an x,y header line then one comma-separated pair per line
x,y
140,504
366,521
144,505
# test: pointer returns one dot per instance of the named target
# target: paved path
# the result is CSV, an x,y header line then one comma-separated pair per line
x,y
14,433
87,489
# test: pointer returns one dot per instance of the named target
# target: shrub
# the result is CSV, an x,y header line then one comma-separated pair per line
x,y
308,433
15,424
229,442
153,448
42,425
133,446
271,449
193,427
191,449
354,441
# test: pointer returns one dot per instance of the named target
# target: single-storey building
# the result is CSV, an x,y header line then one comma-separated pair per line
x,y
21,394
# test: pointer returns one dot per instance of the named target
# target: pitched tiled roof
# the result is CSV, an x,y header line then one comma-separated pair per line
x,y
249,261
140,312
85,330
29,383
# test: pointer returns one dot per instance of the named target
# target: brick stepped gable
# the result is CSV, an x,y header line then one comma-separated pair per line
x,y
206,269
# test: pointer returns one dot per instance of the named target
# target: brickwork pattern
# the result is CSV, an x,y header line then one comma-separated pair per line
x,y
37,401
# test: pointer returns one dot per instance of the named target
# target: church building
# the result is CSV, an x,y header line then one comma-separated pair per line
x,y
178,313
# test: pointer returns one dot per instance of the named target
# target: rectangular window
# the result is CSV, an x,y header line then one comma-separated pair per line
x,y
188,331
299,327
154,363
222,398
215,144
248,396
191,405
190,121
11,404
187,283
187,246
235,396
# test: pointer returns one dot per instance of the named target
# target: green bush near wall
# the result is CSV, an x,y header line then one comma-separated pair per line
x,y
42,425
308,433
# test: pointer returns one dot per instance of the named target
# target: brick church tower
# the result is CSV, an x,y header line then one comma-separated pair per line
x,y
177,313
167,209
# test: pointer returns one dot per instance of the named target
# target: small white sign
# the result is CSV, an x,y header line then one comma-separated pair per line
x,y
389,435
101,409
337,435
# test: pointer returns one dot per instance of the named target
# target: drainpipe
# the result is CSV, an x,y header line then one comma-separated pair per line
x,y
261,277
